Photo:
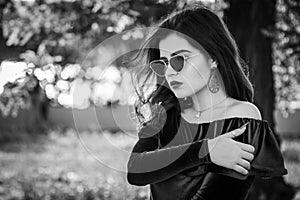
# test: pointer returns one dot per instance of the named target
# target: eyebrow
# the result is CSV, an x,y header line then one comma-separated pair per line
x,y
177,52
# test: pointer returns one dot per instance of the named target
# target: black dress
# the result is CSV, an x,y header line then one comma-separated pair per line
x,y
174,159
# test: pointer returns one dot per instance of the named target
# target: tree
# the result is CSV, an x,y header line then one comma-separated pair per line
x,y
50,35
253,25
286,55
267,33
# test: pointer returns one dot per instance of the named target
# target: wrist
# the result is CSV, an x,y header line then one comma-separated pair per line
x,y
207,144
210,145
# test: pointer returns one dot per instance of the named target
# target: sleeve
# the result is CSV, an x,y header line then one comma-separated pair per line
x,y
148,164
268,161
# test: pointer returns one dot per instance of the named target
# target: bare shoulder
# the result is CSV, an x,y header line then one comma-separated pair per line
x,y
244,109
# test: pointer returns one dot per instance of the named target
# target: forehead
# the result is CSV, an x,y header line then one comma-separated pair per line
x,y
172,43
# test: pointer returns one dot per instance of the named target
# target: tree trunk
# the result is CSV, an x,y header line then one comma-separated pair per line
x,y
39,105
40,108
247,21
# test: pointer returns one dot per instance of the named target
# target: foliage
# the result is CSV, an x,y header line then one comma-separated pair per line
x,y
286,55
64,28
58,34
18,82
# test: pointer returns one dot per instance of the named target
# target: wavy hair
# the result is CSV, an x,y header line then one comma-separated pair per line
x,y
208,32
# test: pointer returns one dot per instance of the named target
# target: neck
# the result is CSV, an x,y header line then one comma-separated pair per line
x,y
204,99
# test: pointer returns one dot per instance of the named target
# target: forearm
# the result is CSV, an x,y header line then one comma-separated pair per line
x,y
145,167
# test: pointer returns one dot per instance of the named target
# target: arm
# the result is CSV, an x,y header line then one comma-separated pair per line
x,y
148,164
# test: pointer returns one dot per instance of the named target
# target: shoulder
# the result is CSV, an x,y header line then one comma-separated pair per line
x,y
244,109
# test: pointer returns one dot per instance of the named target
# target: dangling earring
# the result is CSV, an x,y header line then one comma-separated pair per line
x,y
213,82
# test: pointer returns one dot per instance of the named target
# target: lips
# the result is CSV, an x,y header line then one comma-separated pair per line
x,y
175,83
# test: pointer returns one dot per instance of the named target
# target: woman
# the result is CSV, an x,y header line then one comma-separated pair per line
x,y
193,145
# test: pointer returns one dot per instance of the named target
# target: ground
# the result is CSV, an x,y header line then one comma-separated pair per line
x,y
66,164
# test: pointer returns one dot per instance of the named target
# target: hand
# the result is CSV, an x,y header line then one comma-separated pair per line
x,y
226,152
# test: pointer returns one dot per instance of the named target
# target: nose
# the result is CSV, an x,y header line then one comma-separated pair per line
x,y
170,71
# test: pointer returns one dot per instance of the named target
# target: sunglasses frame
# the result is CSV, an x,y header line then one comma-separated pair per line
x,y
166,65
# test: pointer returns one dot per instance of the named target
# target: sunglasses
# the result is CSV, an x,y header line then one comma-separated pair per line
x,y
177,62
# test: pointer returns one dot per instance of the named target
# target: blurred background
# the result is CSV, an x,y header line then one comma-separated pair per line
x,y
66,102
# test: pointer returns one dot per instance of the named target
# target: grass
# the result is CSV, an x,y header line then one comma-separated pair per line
x,y
291,152
68,166
65,164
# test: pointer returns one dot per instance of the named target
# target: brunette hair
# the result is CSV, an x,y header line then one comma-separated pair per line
x,y
209,33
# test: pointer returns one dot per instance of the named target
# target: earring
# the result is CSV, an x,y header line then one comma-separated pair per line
x,y
213,82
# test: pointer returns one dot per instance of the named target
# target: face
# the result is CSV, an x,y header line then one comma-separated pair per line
x,y
195,73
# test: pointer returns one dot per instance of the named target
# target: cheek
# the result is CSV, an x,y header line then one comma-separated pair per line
x,y
196,76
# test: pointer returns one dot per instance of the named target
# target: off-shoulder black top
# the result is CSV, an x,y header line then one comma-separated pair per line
x,y
175,161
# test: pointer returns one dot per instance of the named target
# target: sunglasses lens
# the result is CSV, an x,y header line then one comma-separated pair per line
x,y
158,67
177,63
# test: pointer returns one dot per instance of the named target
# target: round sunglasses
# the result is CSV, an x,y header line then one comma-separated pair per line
x,y
177,62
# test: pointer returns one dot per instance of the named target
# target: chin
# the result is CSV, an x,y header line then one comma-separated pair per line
x,y
186,92
181,94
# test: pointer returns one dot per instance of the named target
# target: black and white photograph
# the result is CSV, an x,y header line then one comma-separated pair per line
x,y
150,100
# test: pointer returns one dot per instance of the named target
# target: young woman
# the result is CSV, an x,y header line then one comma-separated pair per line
x,y
193,145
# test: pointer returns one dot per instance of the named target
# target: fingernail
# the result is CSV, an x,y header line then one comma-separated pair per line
x,y
244,125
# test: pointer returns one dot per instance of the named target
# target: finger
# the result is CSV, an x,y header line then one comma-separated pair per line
x,y
244,163
247,156
240,169
246,147
235,132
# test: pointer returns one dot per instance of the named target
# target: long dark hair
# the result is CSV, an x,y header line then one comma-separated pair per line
x,y
209,32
